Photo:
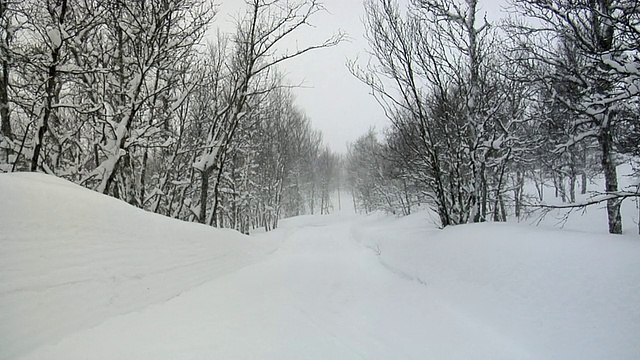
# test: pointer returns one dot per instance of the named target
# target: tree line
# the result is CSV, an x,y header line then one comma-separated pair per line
x,y
140,101
478,109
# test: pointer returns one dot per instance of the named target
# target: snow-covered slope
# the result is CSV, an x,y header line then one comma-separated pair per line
x,y
71,258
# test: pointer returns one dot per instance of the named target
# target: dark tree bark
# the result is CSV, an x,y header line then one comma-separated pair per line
x,y
611,180
5,127
52,73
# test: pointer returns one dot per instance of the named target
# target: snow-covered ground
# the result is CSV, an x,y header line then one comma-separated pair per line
x,y
551,294
71,258
83,276
592,219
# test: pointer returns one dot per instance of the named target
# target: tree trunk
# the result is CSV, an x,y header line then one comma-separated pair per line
x,y
406,196
517,193
204,194
129,180
503,210
43,126
339,199
572,187
143,175
539,184
5,121
5,129
611,180
353,198
216,192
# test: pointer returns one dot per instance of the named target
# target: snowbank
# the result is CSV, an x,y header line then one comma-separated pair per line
x,y
71,258
556,294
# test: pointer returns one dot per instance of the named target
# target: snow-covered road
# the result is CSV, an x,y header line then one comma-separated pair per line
x,y
322,295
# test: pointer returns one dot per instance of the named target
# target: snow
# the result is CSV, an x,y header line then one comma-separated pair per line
x,y
554,294
71,258
55,37
86,276
208,159
592,219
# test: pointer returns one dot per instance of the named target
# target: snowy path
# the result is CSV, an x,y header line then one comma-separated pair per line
x,y
322,295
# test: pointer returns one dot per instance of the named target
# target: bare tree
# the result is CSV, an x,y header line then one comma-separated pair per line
x,y
435,71
604,35
254,55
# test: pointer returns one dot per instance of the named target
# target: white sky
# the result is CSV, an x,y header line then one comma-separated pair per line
x,y
338,104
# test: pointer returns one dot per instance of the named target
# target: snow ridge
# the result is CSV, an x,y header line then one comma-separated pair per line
x,y
71,258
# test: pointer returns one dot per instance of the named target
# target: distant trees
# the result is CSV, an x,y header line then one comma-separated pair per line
x,y
377,177
122,97
253,59
476,109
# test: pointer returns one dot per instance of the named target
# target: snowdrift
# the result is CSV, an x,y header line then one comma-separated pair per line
x,y
71,258
552,293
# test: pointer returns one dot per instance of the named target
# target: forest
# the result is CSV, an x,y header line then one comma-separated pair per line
x,y
478,110
141,101
145,102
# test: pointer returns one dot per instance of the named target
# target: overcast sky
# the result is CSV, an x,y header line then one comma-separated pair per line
x,y
338,104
